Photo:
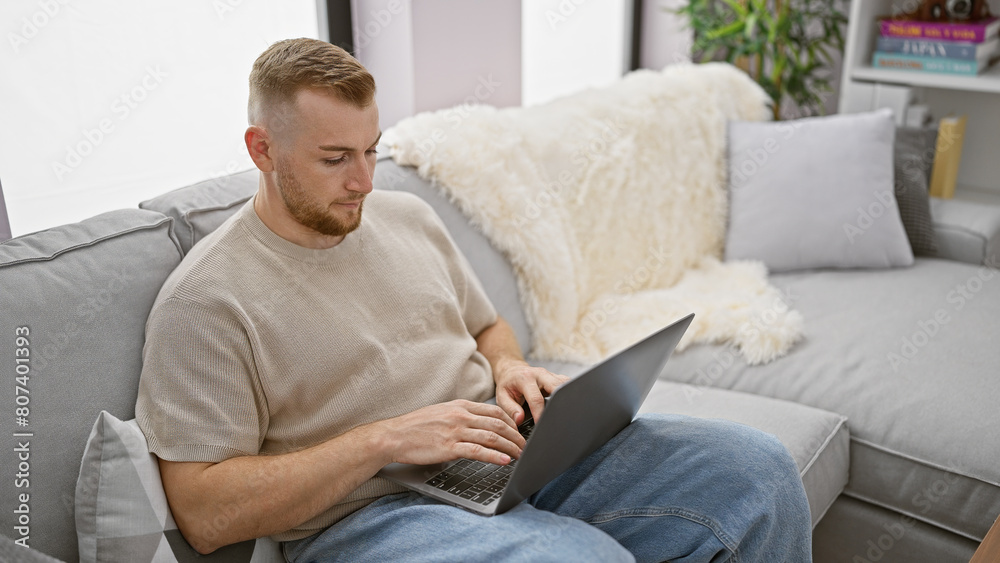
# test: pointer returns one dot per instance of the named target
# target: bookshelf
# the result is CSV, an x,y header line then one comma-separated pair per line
x,y
977,96
988,81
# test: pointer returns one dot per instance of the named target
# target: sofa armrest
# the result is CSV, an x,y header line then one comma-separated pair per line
x,y
967,231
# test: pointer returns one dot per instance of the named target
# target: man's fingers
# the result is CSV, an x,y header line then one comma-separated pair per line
x,y
553,382
479,452
536,402
495,411
493,441
493,419
502,428
510,407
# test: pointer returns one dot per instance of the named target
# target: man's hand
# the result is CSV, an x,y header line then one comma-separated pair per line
x,y
453,430
519,383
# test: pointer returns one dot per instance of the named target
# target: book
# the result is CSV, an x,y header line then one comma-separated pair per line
x,y
929,64
947,156
938,49
965,31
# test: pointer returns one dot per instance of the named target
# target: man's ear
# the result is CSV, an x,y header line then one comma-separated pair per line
x,y
259,146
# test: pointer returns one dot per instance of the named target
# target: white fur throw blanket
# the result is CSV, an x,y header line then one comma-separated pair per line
x,y
611,206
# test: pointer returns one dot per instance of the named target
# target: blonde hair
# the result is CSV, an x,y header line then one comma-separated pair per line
x,y
294,64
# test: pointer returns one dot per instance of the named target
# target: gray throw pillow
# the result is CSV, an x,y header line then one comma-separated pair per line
x,y
913,161
815,193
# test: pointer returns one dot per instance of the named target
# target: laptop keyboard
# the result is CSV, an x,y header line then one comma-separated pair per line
x,y
478,481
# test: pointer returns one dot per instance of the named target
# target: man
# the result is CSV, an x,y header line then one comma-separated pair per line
x,y
283,369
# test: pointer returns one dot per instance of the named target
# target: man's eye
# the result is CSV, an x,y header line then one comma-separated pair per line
x,y
332,161
372,151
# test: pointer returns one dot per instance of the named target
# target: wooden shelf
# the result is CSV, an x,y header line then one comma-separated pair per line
x,y
988,81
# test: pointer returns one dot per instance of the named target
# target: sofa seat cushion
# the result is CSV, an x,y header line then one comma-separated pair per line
x,y
199,209
910,356
79,295
817,440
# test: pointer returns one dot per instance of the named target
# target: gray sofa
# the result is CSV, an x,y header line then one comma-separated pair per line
x,y
898,465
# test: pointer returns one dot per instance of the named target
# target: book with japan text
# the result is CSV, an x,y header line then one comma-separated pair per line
x,y
938,49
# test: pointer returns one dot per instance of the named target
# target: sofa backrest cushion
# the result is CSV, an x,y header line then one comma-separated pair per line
x,y
72,319
200,209
493,269
967,231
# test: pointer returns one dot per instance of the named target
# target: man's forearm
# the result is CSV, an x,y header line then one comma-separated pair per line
x,y
498,344
254,496
216,504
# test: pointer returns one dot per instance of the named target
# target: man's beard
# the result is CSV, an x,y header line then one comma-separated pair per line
x,y
311,213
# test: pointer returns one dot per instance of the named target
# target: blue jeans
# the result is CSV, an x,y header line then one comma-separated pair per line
x,y
666,488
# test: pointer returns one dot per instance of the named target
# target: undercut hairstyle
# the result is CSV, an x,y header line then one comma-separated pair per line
x,y
296,64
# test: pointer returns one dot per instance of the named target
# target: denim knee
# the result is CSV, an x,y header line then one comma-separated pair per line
x,y
739,457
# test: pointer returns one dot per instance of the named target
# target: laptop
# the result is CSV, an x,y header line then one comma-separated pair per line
x,y
581,415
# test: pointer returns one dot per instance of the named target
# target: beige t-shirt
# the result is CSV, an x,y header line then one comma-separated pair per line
x,y
256,345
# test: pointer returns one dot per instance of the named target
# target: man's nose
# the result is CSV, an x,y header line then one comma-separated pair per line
x,y
360,179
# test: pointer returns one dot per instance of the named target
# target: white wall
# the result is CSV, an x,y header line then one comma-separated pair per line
x,y
383,42
106,103
466,52
665,37
570,45
435,54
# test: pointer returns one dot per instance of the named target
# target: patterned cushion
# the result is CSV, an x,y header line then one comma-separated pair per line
x,y
913,157
121,509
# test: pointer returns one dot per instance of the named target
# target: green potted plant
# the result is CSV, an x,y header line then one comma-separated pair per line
x,y
786,46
